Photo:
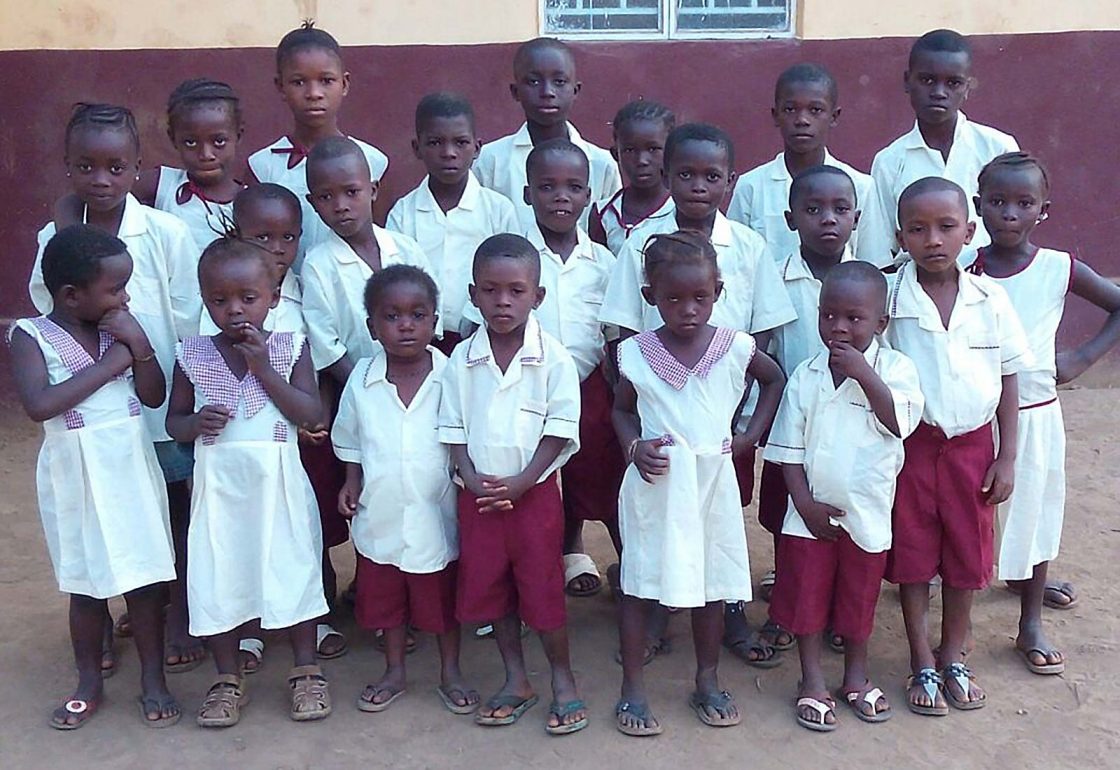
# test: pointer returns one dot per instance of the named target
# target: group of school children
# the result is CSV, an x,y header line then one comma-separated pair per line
x,y
237,370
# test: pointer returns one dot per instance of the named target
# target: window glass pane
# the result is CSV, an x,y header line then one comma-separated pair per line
x,y
566,17
732,15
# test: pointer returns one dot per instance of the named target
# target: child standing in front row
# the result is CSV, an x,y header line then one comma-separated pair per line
x,y
679,393
83,370
398,494
254,537
510,414
312,81
968,345
450,213
546,87
1014,198
640,130
838,437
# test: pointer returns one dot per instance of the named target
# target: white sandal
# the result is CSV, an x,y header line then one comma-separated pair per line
x,y
254,647
577,565
322,631
822,708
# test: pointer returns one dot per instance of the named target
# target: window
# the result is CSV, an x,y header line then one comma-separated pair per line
x,y
660,19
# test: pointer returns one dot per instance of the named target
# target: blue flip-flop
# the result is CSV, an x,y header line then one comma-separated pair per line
x,y
572,706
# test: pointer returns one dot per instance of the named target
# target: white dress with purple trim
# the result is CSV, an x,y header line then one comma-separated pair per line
x,y
101,493
684,538
255,541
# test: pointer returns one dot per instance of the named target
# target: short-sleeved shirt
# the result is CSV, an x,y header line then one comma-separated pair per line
x,y
908,159
761,200
501,166
406,511
961,367
851,459
800,339
274,164
334,282
501,417
608,212
754,298
163,289
450,239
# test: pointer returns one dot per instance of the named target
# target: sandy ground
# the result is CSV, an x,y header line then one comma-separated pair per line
x,y
1031,721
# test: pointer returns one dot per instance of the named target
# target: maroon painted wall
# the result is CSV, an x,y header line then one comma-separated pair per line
x,y
1058,94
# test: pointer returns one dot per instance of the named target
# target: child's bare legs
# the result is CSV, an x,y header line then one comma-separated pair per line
x,y
87,631
182,648
451,679
1032,639
392,682
564,690
145,609
707,634
813,685
507,633
956,625
915,613
634,619
224,649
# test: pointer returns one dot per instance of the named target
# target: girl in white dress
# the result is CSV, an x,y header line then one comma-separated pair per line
x,y
1014,198
84,370
254,535
684,541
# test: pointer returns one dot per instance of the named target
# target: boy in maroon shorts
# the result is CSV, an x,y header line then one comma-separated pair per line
x,y
510,413
838,437
963,335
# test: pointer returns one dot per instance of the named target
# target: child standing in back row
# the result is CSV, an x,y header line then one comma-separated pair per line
x,y
546,87
1014,198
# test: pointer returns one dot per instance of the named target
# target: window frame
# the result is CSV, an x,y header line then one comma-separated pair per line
x,y
670,31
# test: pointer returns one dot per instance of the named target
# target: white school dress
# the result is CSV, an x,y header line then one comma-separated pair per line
x,y
204,217
101,493
608,212
254,538
685,541
1031,521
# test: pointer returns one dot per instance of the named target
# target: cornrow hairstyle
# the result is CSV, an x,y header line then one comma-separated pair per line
x,y
72,257
803,178
507,246
932,184
940,41
305,37
559,146
684,247
526,50
643,110
1014,160
394,275
228,247
102,117
191,93
443,105
807,72
861,273
698,132
267,191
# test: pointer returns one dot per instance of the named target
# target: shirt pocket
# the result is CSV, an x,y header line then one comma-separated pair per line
x,y
528,423
983,356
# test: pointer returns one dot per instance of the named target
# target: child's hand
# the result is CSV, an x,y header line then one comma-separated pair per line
x,y
348,498
999,481
741,444
844,359
314,435
1071,365
125,328
816,517
254,349
210,420
650,460
499,494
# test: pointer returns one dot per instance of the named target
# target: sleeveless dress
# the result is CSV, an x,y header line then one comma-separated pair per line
x,y
1031,521
205,218
102,499
684,537
254,538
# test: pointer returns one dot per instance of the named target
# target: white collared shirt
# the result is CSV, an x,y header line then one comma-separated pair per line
x,y
754,299
908,159
450,239
205,219
960,367
287,316
502,417
501,166
851,459
270,164
761,200
406,512
609,212
334,283
163,289
800,339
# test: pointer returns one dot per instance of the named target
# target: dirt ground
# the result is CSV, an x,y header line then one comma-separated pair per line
x,y
1030,721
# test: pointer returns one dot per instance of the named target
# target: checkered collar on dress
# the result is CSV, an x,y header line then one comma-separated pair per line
x,y
74,357
532,347
665,365
207,370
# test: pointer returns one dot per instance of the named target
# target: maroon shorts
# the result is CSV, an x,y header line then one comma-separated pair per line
x,y
941,523
511,562
327,475
744,475
826,585
773,498
389,598
592,477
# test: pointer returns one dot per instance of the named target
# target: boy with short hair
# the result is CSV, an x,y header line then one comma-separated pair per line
x,y
545,85
943,142
838,437
450,213
510,413
966,341
806,109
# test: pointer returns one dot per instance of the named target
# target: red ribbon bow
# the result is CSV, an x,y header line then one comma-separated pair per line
x,y
296,153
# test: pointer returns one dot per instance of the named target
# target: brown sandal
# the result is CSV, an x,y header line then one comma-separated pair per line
x,y
311,697
223,703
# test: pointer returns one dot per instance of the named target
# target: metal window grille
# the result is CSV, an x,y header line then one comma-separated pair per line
x,y
653,19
